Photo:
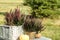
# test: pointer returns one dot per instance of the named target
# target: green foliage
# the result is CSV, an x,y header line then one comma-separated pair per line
x,y
2,13
42,8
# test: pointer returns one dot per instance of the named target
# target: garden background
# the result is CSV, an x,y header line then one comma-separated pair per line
x,y
52,24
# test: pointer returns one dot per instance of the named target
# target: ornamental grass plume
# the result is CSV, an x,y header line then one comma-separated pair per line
x,y
33,25
14,17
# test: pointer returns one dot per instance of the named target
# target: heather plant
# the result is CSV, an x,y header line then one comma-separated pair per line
x,y
9,19
14,17
33,25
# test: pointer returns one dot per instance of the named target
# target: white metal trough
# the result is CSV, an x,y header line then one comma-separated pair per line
x,y
10,32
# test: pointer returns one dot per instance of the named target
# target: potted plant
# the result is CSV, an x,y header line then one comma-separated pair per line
x,y
32,26
14,21
39,27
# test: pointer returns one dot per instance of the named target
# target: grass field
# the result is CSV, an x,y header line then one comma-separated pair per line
x,y
52,29
6,5
2,20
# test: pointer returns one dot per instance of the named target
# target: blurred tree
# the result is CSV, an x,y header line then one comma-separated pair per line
x,y
42,8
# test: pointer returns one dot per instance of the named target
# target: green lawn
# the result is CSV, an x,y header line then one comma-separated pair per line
x,y
2,20
52,29
6,5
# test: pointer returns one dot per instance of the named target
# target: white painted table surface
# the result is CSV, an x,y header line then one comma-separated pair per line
x,y
42,38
